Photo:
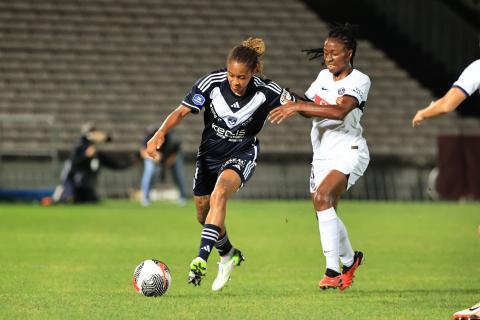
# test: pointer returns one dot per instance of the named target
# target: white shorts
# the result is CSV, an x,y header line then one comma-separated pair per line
x,y
353,164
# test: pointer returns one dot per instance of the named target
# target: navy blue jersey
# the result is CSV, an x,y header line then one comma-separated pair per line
x,y
232,122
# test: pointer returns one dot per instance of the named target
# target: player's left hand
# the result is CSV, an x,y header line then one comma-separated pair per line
x,y
417,119
281,113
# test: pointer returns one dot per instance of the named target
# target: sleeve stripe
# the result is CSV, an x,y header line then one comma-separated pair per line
x,y
275,85
274,88
211,77
271,85
259,83
257,79
190,105
464,91
212,82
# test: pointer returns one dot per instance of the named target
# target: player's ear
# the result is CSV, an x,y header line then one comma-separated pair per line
x,y
349,54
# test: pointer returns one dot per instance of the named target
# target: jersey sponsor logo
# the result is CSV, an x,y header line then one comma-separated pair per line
x,y
341,91
198,99
234,136
236,105
318,100
232,120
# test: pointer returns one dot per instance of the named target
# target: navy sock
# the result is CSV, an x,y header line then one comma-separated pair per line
x,y
223,245
210,234
331,273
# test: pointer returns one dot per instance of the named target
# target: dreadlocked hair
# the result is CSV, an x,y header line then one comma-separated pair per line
x,y
249,52
343,32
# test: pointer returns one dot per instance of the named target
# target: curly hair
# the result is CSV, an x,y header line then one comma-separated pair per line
x,y
249,52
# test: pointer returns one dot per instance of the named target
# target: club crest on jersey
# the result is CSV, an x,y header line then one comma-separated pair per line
x,y
286,97
198,99
232,120
341,91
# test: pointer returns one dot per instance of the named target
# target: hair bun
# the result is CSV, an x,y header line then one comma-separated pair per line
x,y
256,44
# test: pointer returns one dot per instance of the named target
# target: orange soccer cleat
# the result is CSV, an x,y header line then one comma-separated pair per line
x,y
349,273
330,282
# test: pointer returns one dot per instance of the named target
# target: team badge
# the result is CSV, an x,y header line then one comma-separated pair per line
x,y
286,97
341,91
232,120
198,100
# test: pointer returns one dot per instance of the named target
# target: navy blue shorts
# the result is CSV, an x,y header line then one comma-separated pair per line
x,y
206,172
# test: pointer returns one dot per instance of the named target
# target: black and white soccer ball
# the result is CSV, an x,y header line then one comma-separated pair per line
x,y
152,278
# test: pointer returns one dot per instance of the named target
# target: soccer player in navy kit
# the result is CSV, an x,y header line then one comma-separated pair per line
x,y
335,101
236,102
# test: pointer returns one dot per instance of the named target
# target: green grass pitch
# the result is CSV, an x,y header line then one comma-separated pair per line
x,y
66,262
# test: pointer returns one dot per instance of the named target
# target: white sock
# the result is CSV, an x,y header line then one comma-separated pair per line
x,y
226,257
328,225
345,248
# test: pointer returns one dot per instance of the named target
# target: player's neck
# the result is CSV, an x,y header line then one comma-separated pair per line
x,y
342,74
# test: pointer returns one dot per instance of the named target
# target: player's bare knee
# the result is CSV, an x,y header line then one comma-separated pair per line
x,y
220,194
323,200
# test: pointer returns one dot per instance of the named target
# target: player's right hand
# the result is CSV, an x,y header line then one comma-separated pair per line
x,y
154,144
281,113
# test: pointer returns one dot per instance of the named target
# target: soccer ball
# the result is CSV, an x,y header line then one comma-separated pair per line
x,y
152,278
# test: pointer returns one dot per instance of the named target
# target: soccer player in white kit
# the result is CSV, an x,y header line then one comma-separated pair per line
x,y
465,86
335,100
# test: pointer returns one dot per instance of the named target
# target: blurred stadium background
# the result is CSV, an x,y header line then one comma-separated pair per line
x,y
126,64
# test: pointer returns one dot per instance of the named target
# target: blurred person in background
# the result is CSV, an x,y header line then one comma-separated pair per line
x,y
335,100
464,87
235,102
170,156
80,172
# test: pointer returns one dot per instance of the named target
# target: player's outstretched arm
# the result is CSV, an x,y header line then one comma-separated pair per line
x,y
339,111
449,102
172,120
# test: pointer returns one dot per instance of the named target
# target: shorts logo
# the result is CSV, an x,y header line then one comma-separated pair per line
x,y
198,100
341,91
232,120
312,180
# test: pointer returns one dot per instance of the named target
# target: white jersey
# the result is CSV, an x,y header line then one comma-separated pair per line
x,y
469,80
331,138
